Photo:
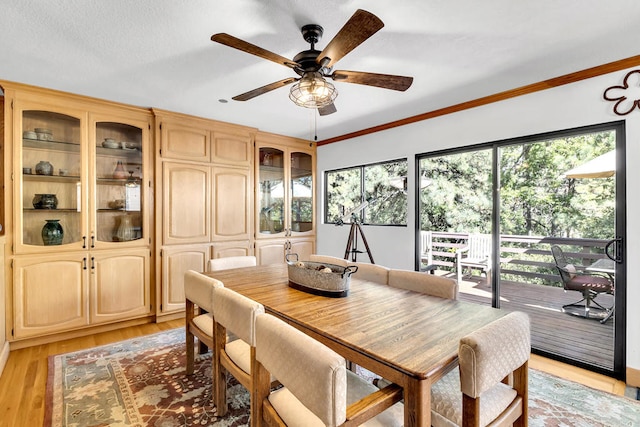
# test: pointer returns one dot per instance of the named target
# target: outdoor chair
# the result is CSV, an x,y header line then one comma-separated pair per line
x,y
490,387
231,262
317,389
426,251
589,285
475,254
199,296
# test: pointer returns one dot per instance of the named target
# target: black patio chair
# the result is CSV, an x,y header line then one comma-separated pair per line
x,y
589,285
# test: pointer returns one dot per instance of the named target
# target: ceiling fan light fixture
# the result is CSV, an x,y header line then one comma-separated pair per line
x,y
313,91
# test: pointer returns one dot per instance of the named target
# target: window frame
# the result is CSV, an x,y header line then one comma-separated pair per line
x,y
362,190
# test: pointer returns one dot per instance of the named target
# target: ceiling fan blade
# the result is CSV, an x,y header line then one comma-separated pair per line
x,y
244,46
264,89
327,109
385,81
358,28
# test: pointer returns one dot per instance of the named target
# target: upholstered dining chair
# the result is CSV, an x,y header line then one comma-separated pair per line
x,y
199,295
317,389
328,259
491,385
237,314
371,272
589,285
231,262
428,284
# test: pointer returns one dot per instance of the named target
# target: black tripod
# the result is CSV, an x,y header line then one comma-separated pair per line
x,y
352,243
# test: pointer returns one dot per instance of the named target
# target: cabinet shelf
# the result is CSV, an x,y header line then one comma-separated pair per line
x,y
51,210
129,152
67,146
50,178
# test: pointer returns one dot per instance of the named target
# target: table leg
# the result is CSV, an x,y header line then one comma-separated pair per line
x,y
417,403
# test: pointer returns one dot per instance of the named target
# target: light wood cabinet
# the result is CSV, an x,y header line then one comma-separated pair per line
x,y
206,208
50,294
231,203
115,291
176,260
186,199
81,229
285,197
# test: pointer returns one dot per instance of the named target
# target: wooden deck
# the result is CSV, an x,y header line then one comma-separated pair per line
x,y
552,331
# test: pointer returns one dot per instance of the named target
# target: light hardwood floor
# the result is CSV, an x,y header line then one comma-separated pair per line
x,y
24,379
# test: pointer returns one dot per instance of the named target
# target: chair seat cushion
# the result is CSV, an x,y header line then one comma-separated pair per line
x,y
240,353
593,283
204,322
446,401
295,414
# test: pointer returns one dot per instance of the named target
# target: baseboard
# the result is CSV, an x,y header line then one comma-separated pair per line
x,y
4,356
633,377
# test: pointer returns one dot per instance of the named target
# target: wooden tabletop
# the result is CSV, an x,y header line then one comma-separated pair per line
x,y
379,326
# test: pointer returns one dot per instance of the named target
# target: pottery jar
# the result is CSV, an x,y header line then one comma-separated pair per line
x,y
44,168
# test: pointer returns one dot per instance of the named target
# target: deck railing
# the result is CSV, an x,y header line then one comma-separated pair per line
x,y
522,258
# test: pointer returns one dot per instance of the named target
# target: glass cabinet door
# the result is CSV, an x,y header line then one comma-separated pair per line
x,y
51,161
118,176
301,192
271,188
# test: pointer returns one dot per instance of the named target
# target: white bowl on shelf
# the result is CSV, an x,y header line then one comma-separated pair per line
x,y
110,143
29,134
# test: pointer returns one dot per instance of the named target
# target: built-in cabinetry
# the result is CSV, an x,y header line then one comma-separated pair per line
x,y
205,209
285,202
81,224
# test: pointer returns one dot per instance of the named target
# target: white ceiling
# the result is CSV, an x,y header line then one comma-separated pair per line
x,y
158,53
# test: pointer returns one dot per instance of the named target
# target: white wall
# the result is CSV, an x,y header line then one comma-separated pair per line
x,y
574,105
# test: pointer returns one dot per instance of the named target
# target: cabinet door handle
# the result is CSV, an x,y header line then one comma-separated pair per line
x,y
93,265
93,241
84,242
84,263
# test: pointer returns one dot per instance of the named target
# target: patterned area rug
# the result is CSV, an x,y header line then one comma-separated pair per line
x,y
142,382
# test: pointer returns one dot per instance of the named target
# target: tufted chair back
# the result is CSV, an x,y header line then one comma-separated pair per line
x,y
491,385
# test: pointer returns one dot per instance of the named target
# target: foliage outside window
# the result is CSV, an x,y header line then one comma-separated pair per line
x,y
382,185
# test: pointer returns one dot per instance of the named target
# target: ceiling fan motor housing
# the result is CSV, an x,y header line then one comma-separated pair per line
x,y
312,33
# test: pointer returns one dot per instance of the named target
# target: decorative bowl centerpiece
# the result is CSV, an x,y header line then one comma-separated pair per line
x,y
317,278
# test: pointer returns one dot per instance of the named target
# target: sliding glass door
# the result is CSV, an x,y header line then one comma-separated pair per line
x,y
526,196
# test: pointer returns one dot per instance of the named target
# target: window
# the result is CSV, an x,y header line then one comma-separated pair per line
x,y
382,185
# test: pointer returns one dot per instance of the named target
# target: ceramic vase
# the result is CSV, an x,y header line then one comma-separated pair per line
x,y
119,172
125,230
44,168
52,232
45,201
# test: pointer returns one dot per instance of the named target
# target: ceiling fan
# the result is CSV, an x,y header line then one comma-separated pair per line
x,y
311,89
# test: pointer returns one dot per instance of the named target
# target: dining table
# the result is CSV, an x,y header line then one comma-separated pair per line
x,y
406,337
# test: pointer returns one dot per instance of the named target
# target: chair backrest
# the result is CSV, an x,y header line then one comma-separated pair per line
x,y
491,353
231,262
314,374
237,313
371,272
426,243
479,246
566,270
429,284
328,259
199,289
